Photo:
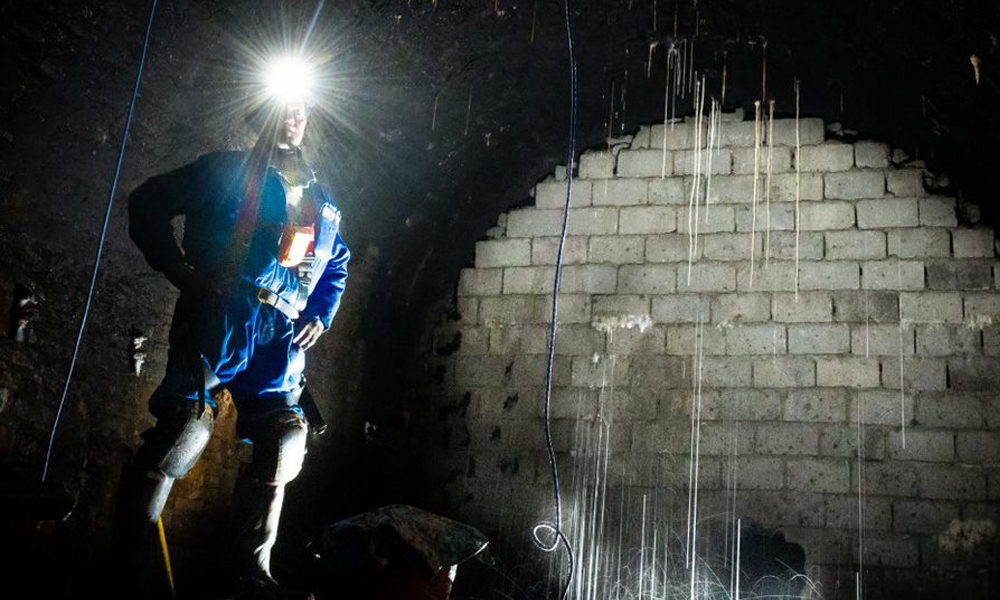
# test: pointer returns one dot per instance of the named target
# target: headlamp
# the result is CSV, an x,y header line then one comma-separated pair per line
x,y
289,80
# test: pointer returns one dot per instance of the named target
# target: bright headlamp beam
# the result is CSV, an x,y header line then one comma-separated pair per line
x,y
289,80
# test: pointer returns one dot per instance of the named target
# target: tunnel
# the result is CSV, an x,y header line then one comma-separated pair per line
x,y
768,370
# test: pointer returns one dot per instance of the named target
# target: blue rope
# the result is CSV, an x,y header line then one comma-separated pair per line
x,y
555,529
100,244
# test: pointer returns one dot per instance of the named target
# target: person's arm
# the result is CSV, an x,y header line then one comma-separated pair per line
x,y
152,205
325,298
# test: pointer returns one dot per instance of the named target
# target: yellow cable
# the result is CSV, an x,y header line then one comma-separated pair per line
x,y
166,557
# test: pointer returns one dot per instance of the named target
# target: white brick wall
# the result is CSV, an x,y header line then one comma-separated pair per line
x,y
794,369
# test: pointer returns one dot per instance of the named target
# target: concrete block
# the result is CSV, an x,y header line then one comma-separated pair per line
x,y
855,244
827,475
552,194
816,406
661,372
948,482
529,371
597,165
648,219
528,280
739,405
882,340
951,411
905,182
503,253
978,447
787,438
888,212
706,277
726,372
923,516
784,189
931,307
641,139
743,160
783,245
756,339
573,308
635,341
948,340
684,162
982,309
468,310
592,221
778,276
828,338
647,279
973,374
854,185
480,370
973,243
714,219
902,551
893,274
991,340
923,445
843,441
669,190
571,339
680,309
881,407
823,216
591,373
810,131
741,308
480,282
871,155
668,247
918,374
518,339
730,246
675,136
959,275
780,216
849,372
840,275
620,192
842,513
828,157
533,222
682,340
870,306
889,479
806,307
545,249
760,473
784,372
616,249
938,211
589,279
739,134
619,305
727,189
919,243
644,163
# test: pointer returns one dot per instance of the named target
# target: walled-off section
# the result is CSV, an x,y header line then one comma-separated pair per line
x,y
885,274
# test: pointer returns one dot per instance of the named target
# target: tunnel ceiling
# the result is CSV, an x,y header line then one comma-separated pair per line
x,y
450,111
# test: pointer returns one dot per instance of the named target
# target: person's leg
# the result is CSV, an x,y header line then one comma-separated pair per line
x,y
266,397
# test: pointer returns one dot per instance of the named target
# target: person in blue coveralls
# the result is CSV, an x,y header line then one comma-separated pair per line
x,y
261,271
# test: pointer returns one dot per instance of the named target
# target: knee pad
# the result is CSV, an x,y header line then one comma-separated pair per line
x,y
175,444
279,449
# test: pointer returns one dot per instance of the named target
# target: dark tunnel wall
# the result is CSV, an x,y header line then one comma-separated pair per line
x,y
449,113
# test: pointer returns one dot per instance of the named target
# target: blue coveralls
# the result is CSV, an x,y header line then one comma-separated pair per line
x,y
247,344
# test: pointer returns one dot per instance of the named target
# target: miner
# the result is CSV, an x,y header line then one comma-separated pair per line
x,y
261,270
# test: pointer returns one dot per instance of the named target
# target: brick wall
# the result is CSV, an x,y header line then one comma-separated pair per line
x,y
886,273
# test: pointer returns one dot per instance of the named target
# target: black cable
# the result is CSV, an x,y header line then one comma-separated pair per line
x,y
555,529
100,244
